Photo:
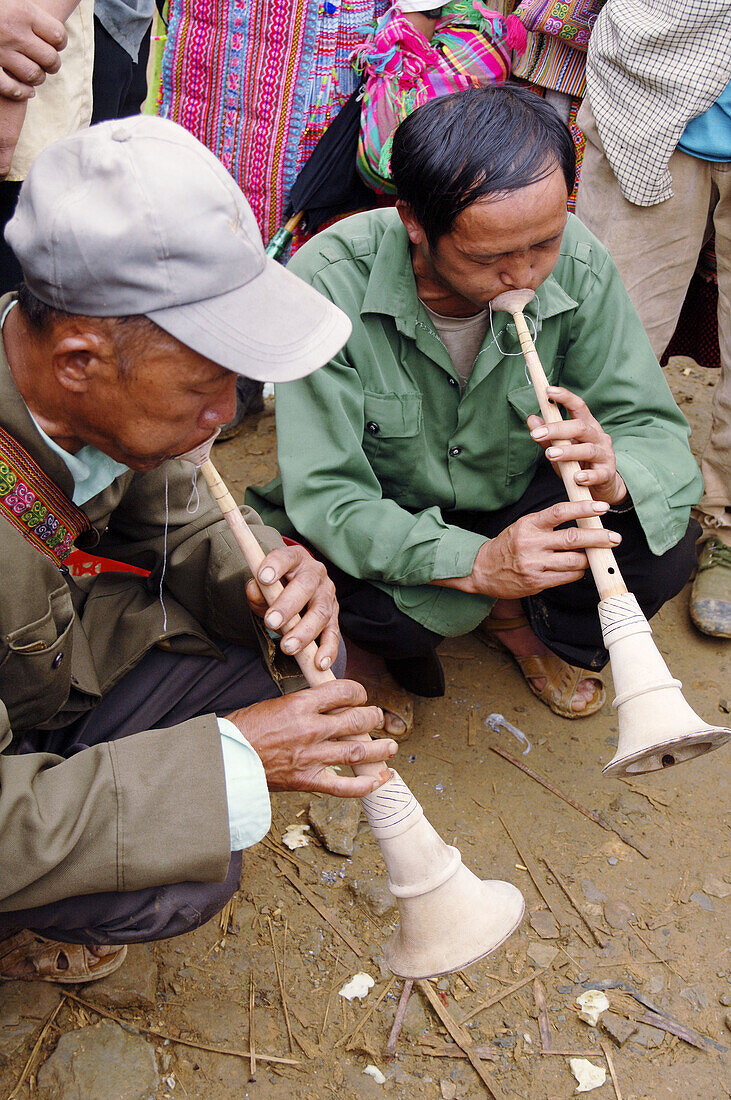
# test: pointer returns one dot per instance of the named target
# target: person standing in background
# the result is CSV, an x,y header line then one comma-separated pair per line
x,y
41,99
656,182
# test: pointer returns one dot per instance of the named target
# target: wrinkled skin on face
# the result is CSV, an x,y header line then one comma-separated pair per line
x,y
498,243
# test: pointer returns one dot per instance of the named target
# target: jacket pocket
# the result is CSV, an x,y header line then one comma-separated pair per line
x,y
35,666
523,452
392,436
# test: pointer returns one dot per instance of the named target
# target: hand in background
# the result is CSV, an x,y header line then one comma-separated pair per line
x,y
30,43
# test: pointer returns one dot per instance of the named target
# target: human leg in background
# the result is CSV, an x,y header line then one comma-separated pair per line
x,y
655,249
119,84
710,602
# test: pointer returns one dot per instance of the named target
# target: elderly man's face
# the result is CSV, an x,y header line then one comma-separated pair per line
x,y
496,244
165,402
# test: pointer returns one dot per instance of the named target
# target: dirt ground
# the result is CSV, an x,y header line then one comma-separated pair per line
x,y
663,920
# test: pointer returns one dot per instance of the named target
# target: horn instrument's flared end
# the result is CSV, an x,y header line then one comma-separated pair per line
x,y
453,926
665,754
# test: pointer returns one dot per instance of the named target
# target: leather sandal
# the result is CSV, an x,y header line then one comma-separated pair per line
x,y
52,961
384,692
561,678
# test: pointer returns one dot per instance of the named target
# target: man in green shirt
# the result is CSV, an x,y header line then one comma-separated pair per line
x,y
415,461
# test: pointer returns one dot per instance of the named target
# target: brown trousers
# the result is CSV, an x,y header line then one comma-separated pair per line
x,y
656,249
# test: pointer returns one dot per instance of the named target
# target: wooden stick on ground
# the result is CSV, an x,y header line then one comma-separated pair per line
x,y
552,897
610,1066
365,1017
282,993
325,912
252,1050
450,1050
599,938
544,1026
36,1047
501,996
564,1053
462,1038
659,957
176,1038
592,815
329,999
472,728
398,1022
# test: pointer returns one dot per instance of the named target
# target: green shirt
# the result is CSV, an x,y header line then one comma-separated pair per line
x,y
376,445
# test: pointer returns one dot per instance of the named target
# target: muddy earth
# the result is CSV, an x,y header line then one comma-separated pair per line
x,y
651,931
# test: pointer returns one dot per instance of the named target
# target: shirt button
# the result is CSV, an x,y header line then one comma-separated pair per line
x,y
452,381
455,452
372,428
57,660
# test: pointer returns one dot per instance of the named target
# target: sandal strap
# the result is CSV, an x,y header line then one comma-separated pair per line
x,y
495,626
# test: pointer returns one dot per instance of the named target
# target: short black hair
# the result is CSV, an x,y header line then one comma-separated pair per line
x,y
483,141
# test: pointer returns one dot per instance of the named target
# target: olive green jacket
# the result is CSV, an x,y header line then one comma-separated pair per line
x,y
378,445
148,809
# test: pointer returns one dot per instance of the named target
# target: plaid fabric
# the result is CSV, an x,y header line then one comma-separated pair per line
x,y
652,66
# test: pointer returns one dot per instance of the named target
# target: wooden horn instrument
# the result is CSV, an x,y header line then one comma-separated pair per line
x,y
657,728
449,917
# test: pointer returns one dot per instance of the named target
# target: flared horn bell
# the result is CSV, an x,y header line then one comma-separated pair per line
x,y
657,728
449,917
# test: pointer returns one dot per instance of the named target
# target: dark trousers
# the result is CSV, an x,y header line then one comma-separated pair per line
x,y
564,618
164,689
10,273
119,83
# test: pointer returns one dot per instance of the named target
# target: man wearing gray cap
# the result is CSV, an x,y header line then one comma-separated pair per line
x,y
140,728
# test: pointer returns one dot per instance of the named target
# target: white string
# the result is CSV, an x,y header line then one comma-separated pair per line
x,y
164,555
535,334
191,508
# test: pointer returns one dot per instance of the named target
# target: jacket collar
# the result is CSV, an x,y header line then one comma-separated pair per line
x,y
18,422
391,288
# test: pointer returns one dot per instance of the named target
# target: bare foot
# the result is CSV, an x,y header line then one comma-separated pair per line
x,y
363,666
522,642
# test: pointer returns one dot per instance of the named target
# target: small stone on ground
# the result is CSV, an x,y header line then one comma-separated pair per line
x,y
22,1006
335,821
97,1063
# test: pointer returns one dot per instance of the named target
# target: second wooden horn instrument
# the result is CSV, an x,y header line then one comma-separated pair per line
x,y
449,917
657,728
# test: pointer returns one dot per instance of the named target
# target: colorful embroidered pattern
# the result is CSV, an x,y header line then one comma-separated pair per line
x,y
568,20
258,81
34,505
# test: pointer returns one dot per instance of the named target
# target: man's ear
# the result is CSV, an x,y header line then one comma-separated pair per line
x,y
412,226
79,354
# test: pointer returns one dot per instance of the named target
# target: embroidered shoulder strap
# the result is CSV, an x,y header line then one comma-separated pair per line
x,y
35,505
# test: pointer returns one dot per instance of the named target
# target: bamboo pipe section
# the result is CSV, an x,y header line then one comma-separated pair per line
x,y
603,563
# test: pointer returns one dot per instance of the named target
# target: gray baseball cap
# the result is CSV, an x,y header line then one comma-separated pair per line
x,y
137,217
